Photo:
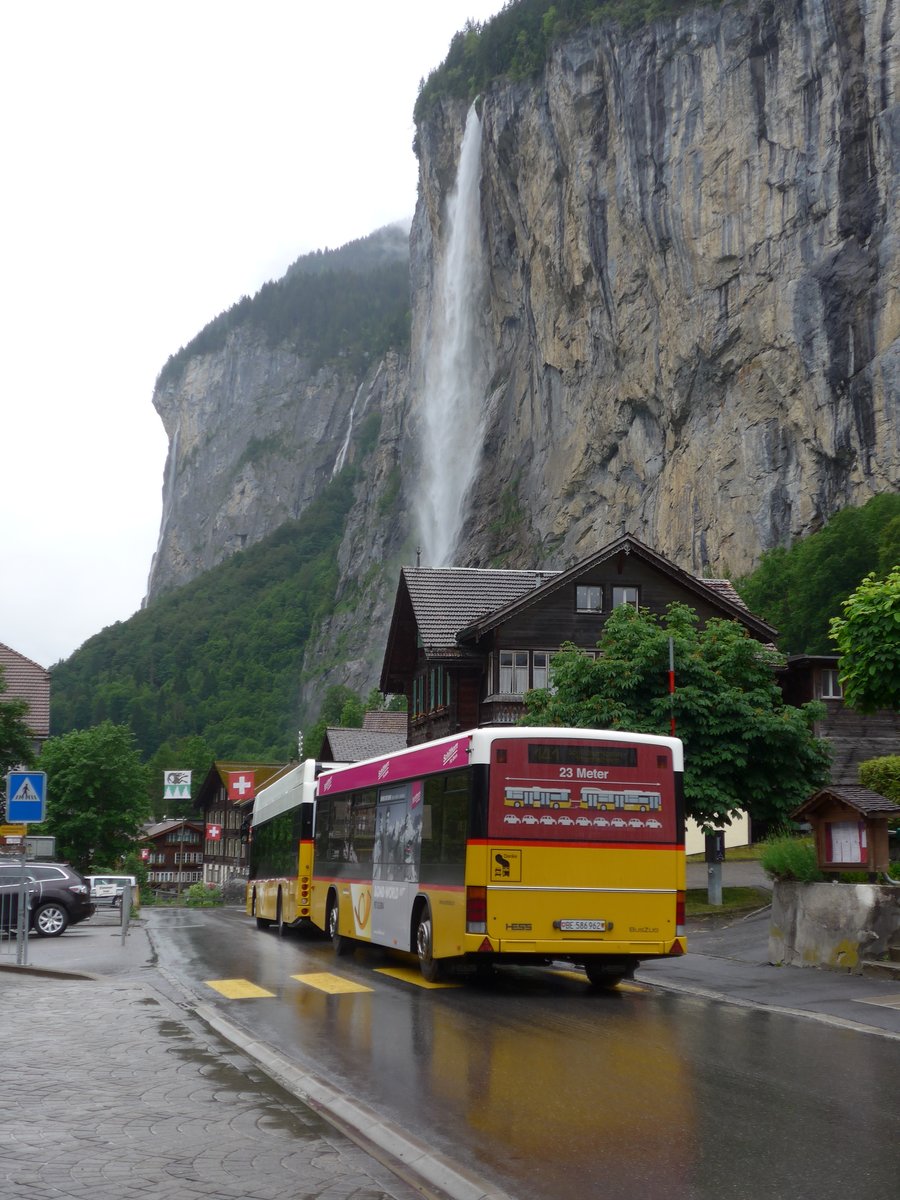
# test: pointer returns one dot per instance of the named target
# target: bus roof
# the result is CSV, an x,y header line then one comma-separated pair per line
x,y
466,749
285,793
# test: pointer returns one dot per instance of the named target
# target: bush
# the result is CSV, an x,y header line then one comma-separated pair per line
x,y
203,893
882,775
786,857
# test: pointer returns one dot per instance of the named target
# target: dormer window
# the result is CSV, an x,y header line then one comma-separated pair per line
x,y
588,598
625,595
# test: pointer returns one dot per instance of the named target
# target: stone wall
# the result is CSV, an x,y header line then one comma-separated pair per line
x,y
833,925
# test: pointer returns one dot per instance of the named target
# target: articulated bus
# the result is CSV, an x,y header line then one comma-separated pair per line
x,y
420,851
281,849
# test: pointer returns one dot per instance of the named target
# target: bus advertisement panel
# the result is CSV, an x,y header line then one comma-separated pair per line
x,y
507,845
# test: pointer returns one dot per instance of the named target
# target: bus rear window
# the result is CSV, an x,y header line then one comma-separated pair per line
x,y
582,756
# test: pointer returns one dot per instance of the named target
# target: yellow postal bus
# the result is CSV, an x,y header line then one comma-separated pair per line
x,y
502,845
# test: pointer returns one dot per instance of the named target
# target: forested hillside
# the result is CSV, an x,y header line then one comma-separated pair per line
x,y
221,657
798,590
351,303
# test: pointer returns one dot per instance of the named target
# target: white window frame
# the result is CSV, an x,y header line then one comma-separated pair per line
x,y
514,672
542,671
830,684
619,598
584,595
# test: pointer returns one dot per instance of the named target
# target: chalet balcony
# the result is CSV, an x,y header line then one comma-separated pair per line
x,y
501,709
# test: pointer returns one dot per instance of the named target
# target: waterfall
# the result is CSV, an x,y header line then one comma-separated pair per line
x,y
342,453
455,368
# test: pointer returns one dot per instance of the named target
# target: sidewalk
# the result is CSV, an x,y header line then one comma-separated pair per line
x,y
114,1082
727,960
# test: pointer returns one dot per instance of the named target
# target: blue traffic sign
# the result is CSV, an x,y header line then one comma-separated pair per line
x,y
26,796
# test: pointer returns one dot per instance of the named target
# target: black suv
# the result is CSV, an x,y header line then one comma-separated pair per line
x,y
59,897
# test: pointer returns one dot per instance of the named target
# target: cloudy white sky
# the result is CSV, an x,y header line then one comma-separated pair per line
x,y
160,161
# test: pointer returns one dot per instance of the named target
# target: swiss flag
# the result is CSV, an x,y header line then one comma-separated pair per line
x,y
241,785
214,833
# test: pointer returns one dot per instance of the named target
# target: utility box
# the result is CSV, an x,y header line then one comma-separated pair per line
x,y
850,825
43,846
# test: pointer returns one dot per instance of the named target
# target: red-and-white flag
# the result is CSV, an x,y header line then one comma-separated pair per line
x,y
214,833
241,785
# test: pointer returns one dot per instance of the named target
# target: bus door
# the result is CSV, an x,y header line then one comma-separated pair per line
x,y
395,863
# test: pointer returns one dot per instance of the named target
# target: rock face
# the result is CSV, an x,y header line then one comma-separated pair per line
x,y
693,318
693,255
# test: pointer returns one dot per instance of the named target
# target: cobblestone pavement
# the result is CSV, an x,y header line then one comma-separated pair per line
x,y
109,1089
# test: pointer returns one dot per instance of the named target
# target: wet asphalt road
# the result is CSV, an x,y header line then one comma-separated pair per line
x,y
547,1088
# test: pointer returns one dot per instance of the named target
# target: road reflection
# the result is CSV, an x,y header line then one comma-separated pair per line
x,y
552,1090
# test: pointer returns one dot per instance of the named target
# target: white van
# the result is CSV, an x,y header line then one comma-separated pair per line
x,y
108,889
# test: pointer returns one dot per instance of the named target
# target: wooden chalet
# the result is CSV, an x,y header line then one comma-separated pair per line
x,y
853,736
226,817
465,644
173,853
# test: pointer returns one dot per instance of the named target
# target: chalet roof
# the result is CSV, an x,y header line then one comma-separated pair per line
x,y
29,681
385,721
718,592
160,827
862,799
354,745
217,776
448,599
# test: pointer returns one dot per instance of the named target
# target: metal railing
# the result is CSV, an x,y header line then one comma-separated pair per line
x,y
15,910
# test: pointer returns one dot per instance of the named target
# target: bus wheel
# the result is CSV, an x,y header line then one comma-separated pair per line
x,y
261,922
342,945
432,968
605,974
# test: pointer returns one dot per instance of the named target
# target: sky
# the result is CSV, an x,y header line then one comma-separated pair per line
x,y
160,161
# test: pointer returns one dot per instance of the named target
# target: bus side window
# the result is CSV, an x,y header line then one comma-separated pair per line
x,y
363,826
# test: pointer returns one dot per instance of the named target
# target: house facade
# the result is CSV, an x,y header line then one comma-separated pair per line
x,y
853,736
224,802
25,680
172,851
466,644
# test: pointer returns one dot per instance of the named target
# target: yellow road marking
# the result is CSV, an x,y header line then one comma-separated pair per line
x,y
413,975
887,1001
237,989
331,983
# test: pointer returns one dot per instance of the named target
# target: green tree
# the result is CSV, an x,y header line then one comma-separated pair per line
x,y
16,739
96,794
744,747
867,637
799,590
338,700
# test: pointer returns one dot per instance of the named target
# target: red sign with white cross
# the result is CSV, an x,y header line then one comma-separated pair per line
x,y
241,785
214,833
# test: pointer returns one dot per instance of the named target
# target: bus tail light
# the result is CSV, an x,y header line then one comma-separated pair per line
x,y
476,910
679,914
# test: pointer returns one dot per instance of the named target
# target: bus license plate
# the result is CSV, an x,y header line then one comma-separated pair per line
x,y
577,926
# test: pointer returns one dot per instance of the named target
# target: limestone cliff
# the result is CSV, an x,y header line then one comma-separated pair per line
x,y
692,248
692,320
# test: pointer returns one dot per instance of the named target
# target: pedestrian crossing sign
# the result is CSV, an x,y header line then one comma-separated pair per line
x,y
26,796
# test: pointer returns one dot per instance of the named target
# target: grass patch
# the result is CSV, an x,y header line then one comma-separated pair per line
x,y
734,854
734,900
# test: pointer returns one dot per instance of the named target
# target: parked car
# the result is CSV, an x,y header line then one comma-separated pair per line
x,y
59,897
